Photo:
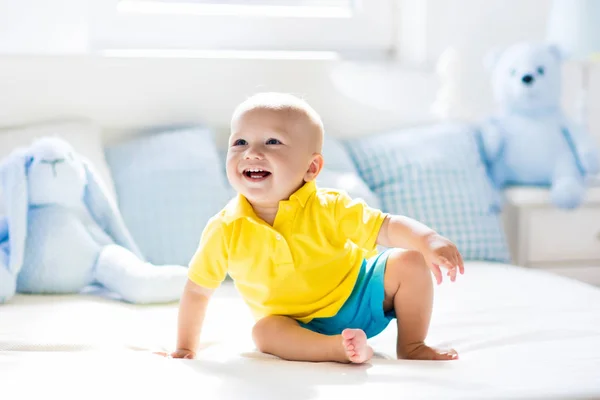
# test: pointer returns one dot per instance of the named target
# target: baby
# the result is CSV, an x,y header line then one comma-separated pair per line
x,y
303,258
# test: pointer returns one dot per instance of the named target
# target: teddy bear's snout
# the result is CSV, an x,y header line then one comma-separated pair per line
x,y
528,79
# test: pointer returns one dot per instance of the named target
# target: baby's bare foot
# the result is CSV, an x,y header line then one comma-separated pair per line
x,y
421,351
355,344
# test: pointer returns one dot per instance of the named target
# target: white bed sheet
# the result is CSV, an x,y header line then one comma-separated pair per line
x,y
520,333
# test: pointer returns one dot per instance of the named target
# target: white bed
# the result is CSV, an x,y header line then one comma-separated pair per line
x,y
520,333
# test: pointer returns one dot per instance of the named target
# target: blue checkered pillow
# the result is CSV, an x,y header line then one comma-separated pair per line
x,y
435,175
168,185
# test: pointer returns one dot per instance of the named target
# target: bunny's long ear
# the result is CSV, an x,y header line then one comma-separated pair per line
x,y
13,177
105,211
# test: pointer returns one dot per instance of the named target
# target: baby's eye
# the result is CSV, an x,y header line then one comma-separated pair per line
x,y
240,142
273,141
541,70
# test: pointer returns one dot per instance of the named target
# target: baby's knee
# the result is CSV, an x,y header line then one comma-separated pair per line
x,y
405,259
259,329
402,263
264,330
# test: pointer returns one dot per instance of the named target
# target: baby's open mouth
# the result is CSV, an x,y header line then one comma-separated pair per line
x,y
256,173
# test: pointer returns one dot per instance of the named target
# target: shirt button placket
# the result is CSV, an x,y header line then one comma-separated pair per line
x,y
283,254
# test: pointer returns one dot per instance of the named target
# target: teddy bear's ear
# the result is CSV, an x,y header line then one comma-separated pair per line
x,y
491,58
556,51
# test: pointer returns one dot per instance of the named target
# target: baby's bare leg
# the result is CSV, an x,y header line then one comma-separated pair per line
x,y
285,338
409,291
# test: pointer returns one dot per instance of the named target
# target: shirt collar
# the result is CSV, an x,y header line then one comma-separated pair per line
x,y
239,207
303,194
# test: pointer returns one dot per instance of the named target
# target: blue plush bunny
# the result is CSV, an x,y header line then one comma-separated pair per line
x,y
530,141
62,233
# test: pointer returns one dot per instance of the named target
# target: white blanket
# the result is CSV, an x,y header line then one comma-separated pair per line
x,y
520,333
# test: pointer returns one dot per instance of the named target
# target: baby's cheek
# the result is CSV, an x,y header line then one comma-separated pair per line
x,y
231,164
294,175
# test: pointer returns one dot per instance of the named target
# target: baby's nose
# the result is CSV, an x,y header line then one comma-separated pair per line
x,y
253,153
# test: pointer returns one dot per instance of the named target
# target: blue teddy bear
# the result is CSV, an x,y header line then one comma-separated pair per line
x,y
62,232
530,141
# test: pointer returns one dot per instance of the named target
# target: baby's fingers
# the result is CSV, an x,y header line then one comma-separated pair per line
x,y
451,266
175,354
446,263
452,274
461,264
437,273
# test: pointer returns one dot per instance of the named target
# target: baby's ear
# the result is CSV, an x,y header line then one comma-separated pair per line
x,y
314,168
491,58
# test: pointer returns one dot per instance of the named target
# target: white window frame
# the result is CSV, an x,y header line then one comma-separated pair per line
x,y
368,31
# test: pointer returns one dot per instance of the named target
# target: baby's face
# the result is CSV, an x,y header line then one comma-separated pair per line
x,y
270,154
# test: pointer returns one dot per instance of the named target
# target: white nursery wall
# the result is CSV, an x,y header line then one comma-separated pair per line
x,y
127,94
38,26
45,76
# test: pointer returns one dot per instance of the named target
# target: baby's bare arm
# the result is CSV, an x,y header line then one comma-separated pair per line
x,y
407,233
192,309
404,232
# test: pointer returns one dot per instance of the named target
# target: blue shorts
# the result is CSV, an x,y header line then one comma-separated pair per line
x,y
364,308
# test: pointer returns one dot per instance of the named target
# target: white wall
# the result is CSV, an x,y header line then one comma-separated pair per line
x,y
126,94
38,26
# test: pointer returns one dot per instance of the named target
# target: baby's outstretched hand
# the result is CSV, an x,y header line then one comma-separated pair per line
x,y
441,252
181,353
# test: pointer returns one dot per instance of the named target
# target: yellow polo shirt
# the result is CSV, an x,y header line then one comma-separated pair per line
x,y
304,266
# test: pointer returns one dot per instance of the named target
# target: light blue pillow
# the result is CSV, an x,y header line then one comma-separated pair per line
x,y
223,160
168,185
434,174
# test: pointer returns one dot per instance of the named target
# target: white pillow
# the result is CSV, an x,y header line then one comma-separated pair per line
x,y
336,156
340,173
349,182
84,136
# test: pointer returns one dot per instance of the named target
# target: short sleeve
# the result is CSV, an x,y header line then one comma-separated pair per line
x,y
357,221
208,266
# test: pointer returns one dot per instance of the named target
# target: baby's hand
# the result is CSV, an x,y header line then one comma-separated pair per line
x,y
441,252
181,353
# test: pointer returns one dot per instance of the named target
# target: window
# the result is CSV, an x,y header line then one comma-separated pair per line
x,y
270,8
343,26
